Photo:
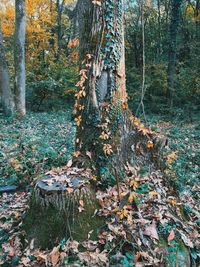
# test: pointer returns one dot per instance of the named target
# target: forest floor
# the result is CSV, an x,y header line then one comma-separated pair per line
x,y
42,141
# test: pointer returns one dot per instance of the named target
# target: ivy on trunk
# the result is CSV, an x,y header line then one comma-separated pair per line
x,y
106,129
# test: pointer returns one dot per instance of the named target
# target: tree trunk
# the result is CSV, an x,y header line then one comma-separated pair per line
x,y
19,57
173,31
197,19
59,7
106,130
7,97
159,30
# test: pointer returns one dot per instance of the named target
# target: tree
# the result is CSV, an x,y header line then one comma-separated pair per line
x,y
59,7
197,18
109,138
108,135
7,97
19,57
106,129
173,31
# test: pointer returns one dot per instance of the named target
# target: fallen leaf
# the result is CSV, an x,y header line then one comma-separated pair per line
x,y
69,163
151,231
54,256
89,154
171,236
81,203
69,190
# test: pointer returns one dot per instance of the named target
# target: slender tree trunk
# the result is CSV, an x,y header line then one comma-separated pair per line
x,y
173,31
141,104
19,57
159,30
59,7
197,19
6,93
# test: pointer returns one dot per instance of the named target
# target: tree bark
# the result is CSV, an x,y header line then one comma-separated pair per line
x,y
6,93
197,19
159,29
106,128
59,7
19,57
173,31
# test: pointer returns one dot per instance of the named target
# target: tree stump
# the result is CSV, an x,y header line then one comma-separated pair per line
x,y
62,206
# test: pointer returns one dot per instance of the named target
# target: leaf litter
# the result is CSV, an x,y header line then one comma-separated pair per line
x,y
137,221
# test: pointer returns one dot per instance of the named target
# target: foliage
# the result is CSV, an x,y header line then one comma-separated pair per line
x,y
54,88
29,147
50,83
187,87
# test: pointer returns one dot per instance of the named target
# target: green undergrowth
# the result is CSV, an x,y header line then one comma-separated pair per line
x,y
33,145
183,135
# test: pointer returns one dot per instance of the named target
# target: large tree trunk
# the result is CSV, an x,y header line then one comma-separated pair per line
x,y
6,93
173,31
106,128
19,57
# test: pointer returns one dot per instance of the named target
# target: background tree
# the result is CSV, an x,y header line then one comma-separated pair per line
x,y
6,93
60,8
173,30
19,57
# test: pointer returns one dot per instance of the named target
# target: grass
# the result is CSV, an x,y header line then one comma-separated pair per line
x,y
183,135
44,140
31,146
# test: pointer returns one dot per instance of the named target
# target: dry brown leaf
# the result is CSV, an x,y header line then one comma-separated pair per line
x,y
54,256
89,154
151,231
69,163
171,236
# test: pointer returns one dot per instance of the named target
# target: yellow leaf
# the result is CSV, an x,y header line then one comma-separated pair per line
x,y
144,130
172,201
96,2
131,198
78,120
149,144
104,136
81,107
125,105
15,164
76,154
154,194
123,213
135,121
94,178
134,184
107,148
